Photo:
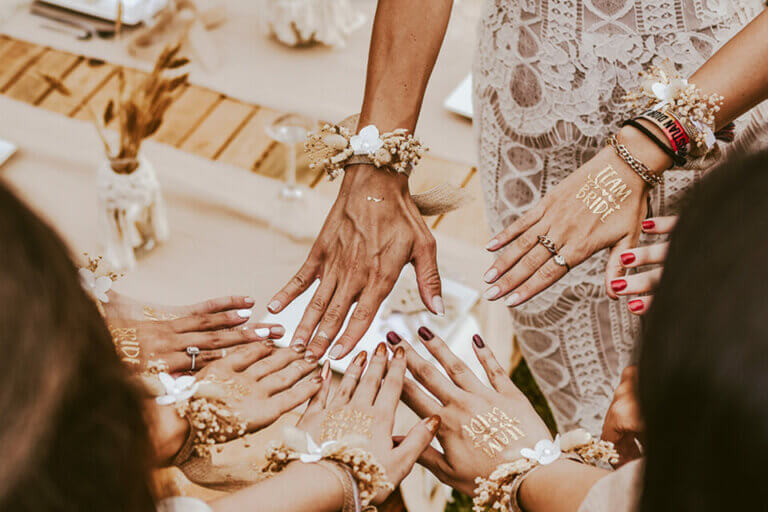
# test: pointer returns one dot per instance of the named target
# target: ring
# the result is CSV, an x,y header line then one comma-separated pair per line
x,y
193,352
550,246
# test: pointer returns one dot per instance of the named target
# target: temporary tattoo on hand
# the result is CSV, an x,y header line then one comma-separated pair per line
x,y
151,313
604,193
127,344
493,431
343,422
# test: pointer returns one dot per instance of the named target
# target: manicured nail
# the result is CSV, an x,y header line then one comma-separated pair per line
x,y
317,378
513,300
274,306
360,358
335,352
321,335
636,305
437,304
299,345
277,330
249,300
627,258
433,423
399,353
310,357
425,333
618,284
262,332
491,292
493,243
490,275
326,371
381,349
244,313
268,343
478,341
393,338
648,224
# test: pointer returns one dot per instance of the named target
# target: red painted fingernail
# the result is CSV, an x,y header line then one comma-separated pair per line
x,y
425,333
627,258
636,305
618,284
393,338
478,341
648,224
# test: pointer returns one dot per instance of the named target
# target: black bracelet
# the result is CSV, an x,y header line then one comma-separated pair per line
x,y
679,160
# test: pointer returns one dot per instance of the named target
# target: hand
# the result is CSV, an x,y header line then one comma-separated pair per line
x,y
644,282
623,423
525,267
358,256
375,397
467,408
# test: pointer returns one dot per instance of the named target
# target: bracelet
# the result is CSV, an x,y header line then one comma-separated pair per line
x,y
499,490
672,128
677,152
185,452
351,500
639,167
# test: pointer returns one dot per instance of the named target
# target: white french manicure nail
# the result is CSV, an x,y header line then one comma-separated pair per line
x,y
262,332
274,306
492,244
488,277
512,300
249,300
244,313
491,292
335,352
437,304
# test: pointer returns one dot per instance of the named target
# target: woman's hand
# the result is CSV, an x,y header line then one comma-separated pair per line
x,y
481,427
644,282
623,423
373,230
366,407
600,205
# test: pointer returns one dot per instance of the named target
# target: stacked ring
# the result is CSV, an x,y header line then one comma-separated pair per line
x,y
550,246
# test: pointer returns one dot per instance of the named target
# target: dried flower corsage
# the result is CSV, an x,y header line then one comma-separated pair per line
x,y
176,390
97,279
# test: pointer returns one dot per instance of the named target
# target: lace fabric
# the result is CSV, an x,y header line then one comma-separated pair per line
x,y
549,80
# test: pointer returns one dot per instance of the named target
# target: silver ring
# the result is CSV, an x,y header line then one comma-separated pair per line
x,y
550,246
193,352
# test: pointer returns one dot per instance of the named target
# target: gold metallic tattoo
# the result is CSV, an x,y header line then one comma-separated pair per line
x,y
341,423
493,431
151,313
604,193
126,344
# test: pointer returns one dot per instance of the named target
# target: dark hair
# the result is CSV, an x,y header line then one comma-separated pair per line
x,y
72,435
704,359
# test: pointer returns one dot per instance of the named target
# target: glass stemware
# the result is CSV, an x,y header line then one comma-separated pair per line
x,y
290,130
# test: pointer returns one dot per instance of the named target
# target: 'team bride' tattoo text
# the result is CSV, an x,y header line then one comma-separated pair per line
x,y
604,193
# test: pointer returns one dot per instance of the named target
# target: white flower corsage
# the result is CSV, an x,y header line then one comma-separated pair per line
x,y
176,390
367,142
545,452
96,286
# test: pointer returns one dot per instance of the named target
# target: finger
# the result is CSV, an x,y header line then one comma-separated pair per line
x,y
182,362
330,325
318,402
298,284
427,275
643,282
647,255
349,381
509,257
369,385
640,305
210,321
659,225
314,311
459,373
270,331
245,355
522,270
221,304
287,400
547,274
277,360
415,442
218,339
498,378
418,401
424,371
392,386
361,318
517,228
435,462
286,377
613,268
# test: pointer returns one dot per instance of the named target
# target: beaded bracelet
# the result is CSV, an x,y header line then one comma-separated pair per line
x,y
636,165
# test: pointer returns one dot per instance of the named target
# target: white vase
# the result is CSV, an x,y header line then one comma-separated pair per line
x,y
131,213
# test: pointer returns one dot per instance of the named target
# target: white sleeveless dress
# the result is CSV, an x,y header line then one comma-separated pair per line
x,y
549,79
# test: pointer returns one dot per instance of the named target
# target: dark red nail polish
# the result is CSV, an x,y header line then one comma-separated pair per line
x,y
425,333
636,305
393,338
648,224
478,341
618,284
627,258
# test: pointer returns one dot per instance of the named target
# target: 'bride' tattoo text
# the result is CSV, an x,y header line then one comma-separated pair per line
x,y
126,343
493,431
604,193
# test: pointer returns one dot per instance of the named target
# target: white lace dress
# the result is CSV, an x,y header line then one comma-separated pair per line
x,y
548,81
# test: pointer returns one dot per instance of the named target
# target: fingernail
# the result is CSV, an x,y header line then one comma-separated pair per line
x,y
322,335
648,224
478,341
437,303
513,300
381,349
335,352
318,378
393,338
326,371
618,284
425,333
399,353
493,243
274,306
310,357
298,345
360,358
277,330
433,423
249,300
490,275
636,305
262,332
268,343
627,258
244,313
491,293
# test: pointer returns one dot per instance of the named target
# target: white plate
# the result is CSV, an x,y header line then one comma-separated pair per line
x,y
134,11
6,150
460,100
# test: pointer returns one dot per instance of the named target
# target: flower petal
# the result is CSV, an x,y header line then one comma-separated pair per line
x,y
185,381
529,454
87,276
165,399
167,382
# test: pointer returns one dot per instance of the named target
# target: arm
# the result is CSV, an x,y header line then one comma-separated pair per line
x,y
558,487
364,245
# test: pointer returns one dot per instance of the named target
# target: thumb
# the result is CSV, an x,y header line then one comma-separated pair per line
x,y
417,440
428,277
614,269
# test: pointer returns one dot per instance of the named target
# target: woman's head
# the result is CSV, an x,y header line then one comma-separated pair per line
x,y
72,435
704,359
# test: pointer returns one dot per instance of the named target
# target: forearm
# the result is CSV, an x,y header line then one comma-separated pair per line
x,y
167,430
558,487
300,486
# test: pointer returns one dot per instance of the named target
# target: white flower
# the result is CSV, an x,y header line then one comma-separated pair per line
x,y
545,452
574,439
709,135
96,286
176,390
668,92
314,452
367,141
